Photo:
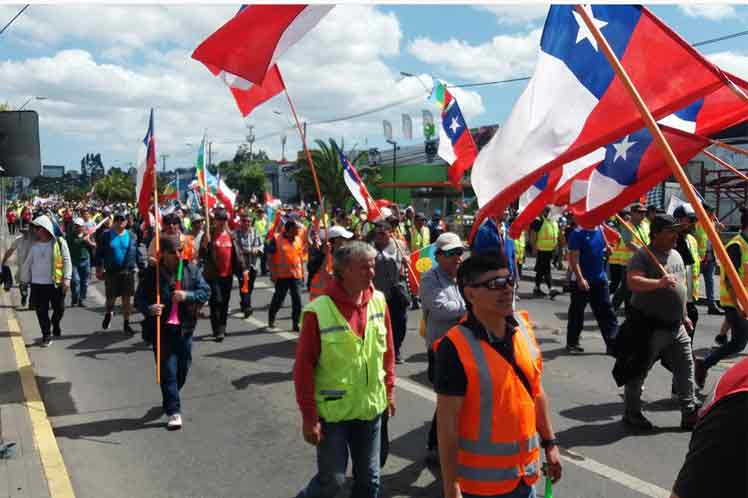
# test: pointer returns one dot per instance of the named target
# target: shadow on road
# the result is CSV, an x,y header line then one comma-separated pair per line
x,y
263,378
103,428
285,349
412,447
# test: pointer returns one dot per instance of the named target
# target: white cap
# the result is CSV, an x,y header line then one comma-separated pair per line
x,y
448,241
79,222
337,231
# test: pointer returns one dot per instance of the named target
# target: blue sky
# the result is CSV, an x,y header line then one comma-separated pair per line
x,y
101,73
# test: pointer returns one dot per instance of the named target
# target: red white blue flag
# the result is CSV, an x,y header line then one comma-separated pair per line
x,y
146,171
456,145
358,189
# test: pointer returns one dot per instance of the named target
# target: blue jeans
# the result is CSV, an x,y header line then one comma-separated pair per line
x,y
599,299
79,282
521,491
176,358
707,269
738,338
362,438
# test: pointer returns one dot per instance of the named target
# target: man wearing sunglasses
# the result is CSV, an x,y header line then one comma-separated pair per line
x,y
443,306
491,404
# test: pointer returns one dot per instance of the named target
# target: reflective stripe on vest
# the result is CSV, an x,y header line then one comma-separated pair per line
x,y
349,376
493,460
548,236
725,299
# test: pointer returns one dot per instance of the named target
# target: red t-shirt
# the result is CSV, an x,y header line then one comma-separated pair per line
x,y
222,247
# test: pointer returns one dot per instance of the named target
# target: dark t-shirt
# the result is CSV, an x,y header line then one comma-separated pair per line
x,y
537,224
717,456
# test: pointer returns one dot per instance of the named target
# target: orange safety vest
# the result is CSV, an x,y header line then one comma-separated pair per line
x,y
319,282
498,441
188,247
287,259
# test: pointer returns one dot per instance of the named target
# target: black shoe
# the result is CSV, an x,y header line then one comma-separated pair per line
x,y
82,304
638,421
553,293
271,323
715,311
46,341
73,304
127,329
700,372
56,332
537,292
248,312
721,339
295,327
575,349
107,320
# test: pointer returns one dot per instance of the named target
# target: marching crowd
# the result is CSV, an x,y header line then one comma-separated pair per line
x,y
483,359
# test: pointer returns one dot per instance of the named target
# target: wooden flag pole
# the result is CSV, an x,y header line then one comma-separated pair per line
x,y
672,161
157,238
729,147
726,165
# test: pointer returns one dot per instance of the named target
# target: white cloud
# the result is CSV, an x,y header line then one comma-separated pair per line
x,y
520,14
712,12
734,62
505,56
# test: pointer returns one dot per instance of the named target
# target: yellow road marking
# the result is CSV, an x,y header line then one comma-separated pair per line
x,y
55,471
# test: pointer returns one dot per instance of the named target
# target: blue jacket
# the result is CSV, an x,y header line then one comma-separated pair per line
x,y
104,255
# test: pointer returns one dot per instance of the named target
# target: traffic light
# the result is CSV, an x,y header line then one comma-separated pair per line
x,y
431,147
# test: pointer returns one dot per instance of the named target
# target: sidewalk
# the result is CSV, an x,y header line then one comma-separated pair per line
x,y
22,475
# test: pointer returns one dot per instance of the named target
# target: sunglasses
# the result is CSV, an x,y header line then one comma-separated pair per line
x,y
496,283
458,251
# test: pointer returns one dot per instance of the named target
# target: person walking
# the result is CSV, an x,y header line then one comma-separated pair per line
x,y
21,246
491,405
589,284
287,272
388,279
708,261
660,302
261,226
620,255
546,240
252,246
221,256
81,246
176,340
642,229
737,250
116,262
48,269
443,307
344,376
688,248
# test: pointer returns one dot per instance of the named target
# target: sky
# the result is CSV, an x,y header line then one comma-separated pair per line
x,y
100,68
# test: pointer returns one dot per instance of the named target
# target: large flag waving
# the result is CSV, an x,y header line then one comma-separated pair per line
x,y
456,145
250,42
146,171
575,104
249,95
358,189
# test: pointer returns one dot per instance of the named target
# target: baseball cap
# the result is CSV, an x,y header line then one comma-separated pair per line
x,y
79,222
664,222
338,231
638,207
683,211
448,241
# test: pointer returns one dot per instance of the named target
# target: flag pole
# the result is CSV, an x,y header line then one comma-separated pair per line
x,y
672,161
641,243
725,164
729,147
157,238
204,186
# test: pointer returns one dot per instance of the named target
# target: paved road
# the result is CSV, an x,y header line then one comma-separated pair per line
x,y
241,433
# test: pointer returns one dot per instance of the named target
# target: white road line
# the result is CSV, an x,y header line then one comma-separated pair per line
x,y
622,478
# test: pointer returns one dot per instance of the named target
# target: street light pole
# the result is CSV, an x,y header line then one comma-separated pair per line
x,y
251,139
29,100
394,169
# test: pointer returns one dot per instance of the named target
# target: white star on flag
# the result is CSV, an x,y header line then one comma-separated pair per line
x,y
584,33
454,126
622,148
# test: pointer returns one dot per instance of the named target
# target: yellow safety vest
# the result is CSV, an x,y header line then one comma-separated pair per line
x,y
261,225
702,240
519,248
693,247
548,236
57,263
419,238
725,299
349,376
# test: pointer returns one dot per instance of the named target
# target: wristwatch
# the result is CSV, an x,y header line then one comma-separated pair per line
x,y
547,443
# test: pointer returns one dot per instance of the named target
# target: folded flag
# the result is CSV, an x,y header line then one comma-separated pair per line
x,y
250,42
574,102
358,189
146,171
456,145
249,95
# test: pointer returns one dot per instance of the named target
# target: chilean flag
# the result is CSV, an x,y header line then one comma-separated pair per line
x,y
575,104
247,94
250,42
456,145
358,188
146,171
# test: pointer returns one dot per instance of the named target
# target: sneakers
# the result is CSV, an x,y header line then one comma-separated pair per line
x,y
575,349
127,329
248,311
688,419
721,339
175,422
107,320
295,327
399,359
46,341
700,372
638,421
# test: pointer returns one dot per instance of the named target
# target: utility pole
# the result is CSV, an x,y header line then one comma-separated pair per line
x,y
394,169
251,139
163,162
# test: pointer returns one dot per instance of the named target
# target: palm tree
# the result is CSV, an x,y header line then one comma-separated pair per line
x,y
115,187
330,173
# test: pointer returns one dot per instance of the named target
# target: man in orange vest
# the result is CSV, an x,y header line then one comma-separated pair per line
x,y
491,405
286,271
322,277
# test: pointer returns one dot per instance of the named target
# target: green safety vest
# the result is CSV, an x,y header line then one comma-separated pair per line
x,y
702,240
725,299
419,238
693,247
349,376
261,225
548,236
57,263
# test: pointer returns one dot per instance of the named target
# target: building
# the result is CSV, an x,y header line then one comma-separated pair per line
x,y
280,178
53,171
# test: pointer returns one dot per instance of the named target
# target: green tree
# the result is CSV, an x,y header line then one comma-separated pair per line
x,y
246,177
330,174
115,187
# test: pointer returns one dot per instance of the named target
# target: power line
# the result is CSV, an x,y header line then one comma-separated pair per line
x,y
14,18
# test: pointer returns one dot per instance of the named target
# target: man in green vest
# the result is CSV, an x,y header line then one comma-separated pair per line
x,y
632,242
344,375
261,226
546,241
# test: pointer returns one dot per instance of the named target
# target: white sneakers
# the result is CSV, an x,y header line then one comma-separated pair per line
x,y
175,422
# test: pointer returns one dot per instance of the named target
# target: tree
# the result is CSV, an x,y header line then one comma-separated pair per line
x,y
242,155
115,187
246,178
330,174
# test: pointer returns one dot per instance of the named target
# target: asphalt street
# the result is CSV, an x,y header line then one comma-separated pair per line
x,y
241,434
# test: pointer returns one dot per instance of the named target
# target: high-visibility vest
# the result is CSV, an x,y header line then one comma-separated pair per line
x,y
693,248
419,238
733,381
498,442
349,376
621,253
319,281
548,236
702,240
188,247
287,259
57,263
519,248
261,225
725,299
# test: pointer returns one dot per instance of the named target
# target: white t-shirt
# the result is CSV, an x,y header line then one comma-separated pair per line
x,y
41,263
